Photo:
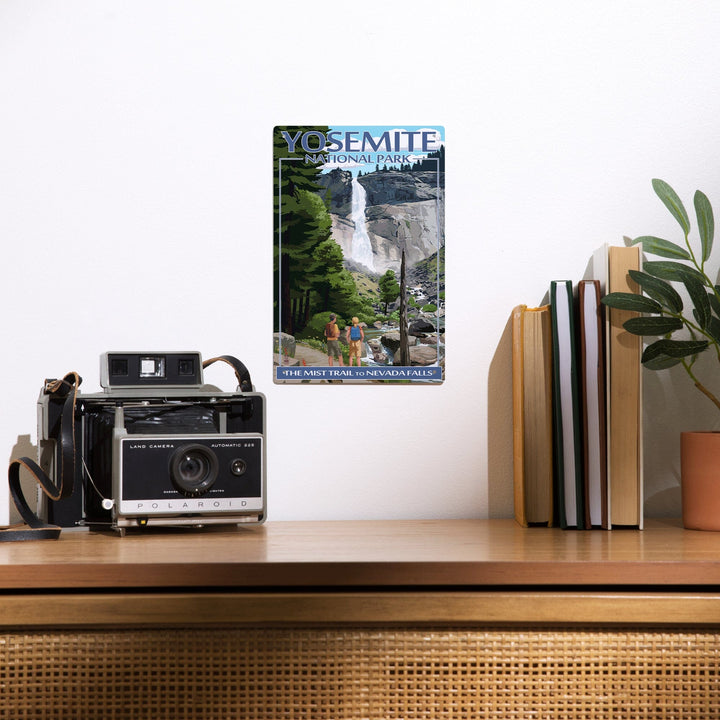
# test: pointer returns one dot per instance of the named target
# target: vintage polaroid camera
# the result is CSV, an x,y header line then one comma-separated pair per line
x,y
157,447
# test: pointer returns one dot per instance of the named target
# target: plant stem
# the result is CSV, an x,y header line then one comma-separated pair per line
x,y
693,328
700,386
708,394
701,267
692,254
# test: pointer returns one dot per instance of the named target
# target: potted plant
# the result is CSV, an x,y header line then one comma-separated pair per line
x,y
664,315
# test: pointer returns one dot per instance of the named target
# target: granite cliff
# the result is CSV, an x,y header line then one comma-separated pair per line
x,y
400,210
337,191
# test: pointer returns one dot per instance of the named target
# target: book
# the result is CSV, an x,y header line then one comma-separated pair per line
x,y
532,415
592,384
567,422
624,396
359,241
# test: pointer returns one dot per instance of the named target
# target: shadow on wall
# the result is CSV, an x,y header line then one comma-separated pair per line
x,y
671,405
24,448
500,451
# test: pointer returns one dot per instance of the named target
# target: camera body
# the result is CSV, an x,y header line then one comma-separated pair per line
x,y
157,447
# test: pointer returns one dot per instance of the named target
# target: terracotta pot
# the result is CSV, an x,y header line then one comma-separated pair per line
x,y
700,481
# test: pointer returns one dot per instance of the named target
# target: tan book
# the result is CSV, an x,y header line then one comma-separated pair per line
x,y
532,415
624,396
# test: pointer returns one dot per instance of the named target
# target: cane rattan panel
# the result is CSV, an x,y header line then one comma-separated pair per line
x,y
375,673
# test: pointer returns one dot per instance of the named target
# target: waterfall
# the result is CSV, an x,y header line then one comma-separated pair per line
x,y
361,247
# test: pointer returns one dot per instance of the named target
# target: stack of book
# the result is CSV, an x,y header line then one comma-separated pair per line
x,y
577,403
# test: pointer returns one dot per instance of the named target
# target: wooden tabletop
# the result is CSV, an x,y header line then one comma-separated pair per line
x,y
384,554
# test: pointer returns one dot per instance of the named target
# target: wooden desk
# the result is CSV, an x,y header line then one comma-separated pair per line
x,y
402,619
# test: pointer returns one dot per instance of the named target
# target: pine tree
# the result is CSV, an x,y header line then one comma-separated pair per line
x,y
301,222
389,288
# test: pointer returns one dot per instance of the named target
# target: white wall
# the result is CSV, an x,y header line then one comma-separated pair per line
x,y
135,204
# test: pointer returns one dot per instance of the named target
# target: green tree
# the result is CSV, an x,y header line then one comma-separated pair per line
x,y
389,288
308,263
301,222
329,256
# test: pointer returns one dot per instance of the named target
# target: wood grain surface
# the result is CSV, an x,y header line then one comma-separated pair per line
x,y
384,554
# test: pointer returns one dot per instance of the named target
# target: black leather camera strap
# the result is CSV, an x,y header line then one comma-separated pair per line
x,y
241,372
34,528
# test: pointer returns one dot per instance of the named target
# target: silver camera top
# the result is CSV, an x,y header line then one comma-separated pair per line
x,y
138,370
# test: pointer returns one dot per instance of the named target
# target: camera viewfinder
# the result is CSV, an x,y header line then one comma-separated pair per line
x,y
119,367
186,367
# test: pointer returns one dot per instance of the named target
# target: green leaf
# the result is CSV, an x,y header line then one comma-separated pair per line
x,y
658,290
706,222
673,349
714,329
663,248
699,297
669,270
661,362
673,203
652,325
631,301
714,303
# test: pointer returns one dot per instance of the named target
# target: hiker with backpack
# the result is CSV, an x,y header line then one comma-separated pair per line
x,y
332,335
355,335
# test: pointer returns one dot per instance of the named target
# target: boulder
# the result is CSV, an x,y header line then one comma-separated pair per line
x,y
377,351
391,340
421,327
420,355
286,342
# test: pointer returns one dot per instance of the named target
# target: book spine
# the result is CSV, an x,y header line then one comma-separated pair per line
x,y
625,397
567,424
518,416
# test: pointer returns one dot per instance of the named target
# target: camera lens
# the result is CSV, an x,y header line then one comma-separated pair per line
x,y
193,469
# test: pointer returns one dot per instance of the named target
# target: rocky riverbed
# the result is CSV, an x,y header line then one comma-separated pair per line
x,y
427,347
